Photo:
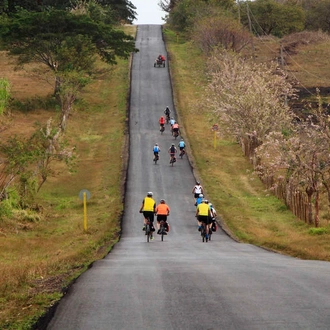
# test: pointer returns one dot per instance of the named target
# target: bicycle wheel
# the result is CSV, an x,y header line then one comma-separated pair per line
x,y
162,229
148,232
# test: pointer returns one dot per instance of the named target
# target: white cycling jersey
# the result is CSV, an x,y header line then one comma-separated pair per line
x,y
198,189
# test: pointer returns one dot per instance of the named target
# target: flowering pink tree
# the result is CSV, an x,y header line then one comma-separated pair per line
x,y
249,98
303,158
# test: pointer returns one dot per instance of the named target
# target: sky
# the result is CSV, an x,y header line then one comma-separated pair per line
x,y
148,12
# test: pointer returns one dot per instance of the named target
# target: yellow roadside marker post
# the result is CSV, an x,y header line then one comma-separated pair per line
x,y
85,195
215,128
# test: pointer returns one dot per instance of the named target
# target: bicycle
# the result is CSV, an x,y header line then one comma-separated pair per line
x,y
203,232
182,153
162,129
173,159
148,230
162,230
210,233
156,158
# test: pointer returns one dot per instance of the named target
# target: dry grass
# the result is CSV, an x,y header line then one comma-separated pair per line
x,y
306,58
39,257
250,212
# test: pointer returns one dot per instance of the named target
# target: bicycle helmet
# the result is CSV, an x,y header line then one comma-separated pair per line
x,y
162,201
206,201
201,195
172,144
197,182
156,144
211,205
149,193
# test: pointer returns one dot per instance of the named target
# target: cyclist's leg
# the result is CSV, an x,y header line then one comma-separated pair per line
x,y
158,224
199,222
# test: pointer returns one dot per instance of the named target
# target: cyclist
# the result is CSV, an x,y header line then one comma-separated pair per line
x,y
148,208
162,211
175,128
161,123
172,121
167,112
197,190
211,215
172,151
214,216
156,151
199,199
161,58
181,146
203,215
213,211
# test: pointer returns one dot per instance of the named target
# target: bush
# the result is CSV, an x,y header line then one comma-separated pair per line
x,y
6,209
221,30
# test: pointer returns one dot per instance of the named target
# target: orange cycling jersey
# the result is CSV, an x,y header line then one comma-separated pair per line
x,y
161,120
175,126
162,209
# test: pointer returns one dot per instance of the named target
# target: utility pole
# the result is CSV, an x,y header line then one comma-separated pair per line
x,y
250,26
283,68
239,11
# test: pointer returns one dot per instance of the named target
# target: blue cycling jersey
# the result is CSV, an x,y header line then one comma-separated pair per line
x,y
156,149
199,200
181,144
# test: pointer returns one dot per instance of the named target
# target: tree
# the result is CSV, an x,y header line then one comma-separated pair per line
x,y
270,17
247,97
318,16
184,13
121,10
67,44
303,158
167,5
27,162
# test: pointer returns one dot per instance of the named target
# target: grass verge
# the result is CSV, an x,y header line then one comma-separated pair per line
x,y
40,258
251,214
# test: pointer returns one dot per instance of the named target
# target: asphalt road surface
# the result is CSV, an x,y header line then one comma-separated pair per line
x,y
182,283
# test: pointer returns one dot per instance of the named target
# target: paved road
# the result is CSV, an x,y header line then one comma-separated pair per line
x,y
182,283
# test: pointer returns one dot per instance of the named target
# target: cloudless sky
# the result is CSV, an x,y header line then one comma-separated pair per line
x,y
148,12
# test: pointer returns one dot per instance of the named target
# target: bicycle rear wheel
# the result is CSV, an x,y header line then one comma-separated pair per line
x,y
162,229
148,232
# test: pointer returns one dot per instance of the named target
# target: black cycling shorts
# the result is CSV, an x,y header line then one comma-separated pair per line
x,y
161,217
204,218
149,214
